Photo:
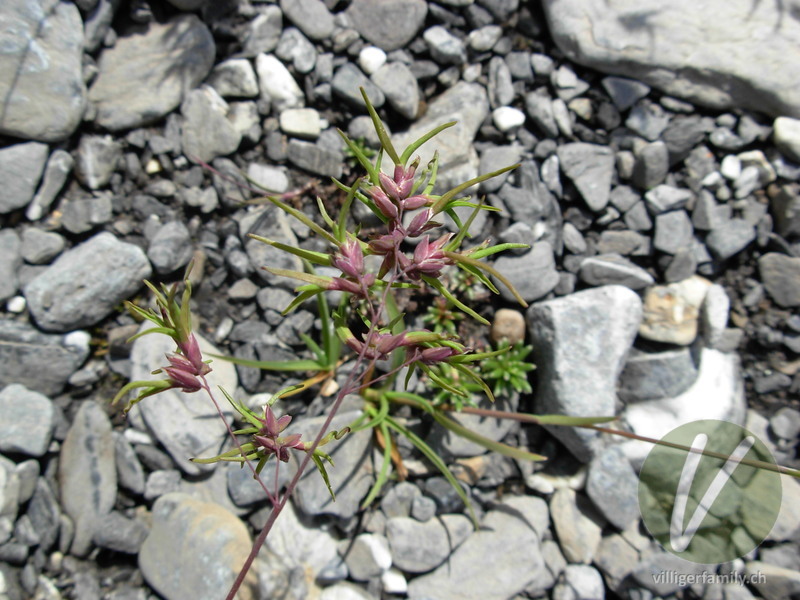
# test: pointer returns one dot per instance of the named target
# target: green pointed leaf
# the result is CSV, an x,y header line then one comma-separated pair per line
x,y
443,201
439,286
318,258
362,158
412,147
383,473
321,468
484,252
489,269
487,443
273,365
386,143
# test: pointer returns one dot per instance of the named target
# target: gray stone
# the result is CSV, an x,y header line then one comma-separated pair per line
x,y
465,103
580,343
539,107
220,543
28,421
673,231
652,165
577,524
273,224
623,242
501,90
39,361
87,474
262,33
296,48
654,44
423,508
613,487
367,556
207,131
97,158
590,167
10,262
398,500
86,283
41,80
648,120
84,213
573,239
390,24
311,16
533,274
276,83
707,214
21,167
396,81
613,269
170,248
187,426
148,72
347,82
580,581
786,136
625,92
495,158
130,474
117,532
507,543
730,238
717,393
781,277
664,198
350,479
235,78
637,218
44,513
39,246
162,482
314,158
484,38
651,376
420,547
58,168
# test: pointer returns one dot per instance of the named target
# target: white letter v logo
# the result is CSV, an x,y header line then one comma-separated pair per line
x,y
679,538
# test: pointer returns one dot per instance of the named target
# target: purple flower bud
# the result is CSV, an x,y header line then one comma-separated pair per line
x,y
387,242
431,356
191,350
183,379
351,260
415,202
387,208
391,187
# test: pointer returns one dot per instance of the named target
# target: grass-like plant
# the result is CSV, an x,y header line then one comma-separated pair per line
x,y
367,327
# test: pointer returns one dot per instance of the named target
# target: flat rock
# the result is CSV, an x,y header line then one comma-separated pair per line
x,y
97,159
590,167
389,25
170,248
347,83
10,262
498,561
730,238
41,77
219,544
671,312
39,361
577,525
781,277
234,77
86,283
533,274
276,83
207,130
655,375
350,479
312,17
396,81
21,167
717,393
28,421
187,425
653,43
420,547
580,343
87,473
787,137
148,72
466,103
613,269
613,487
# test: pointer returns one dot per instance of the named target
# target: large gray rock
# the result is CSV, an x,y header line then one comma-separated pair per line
x,y
590,167
499,561
10,261
533,274
187,425
400,87
312,17
28,421
87,473
41,81
419,547
86,283
207,130
21,167
699,52
149,71
465,103
781,277
195,550
390,24
41,362
581,342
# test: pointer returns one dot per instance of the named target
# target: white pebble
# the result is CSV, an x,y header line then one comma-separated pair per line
x,y
507,118
731,167
16,304
370,59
